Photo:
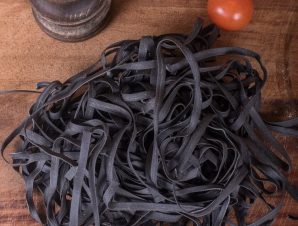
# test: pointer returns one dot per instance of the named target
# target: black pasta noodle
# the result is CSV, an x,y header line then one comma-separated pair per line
x,y
158,130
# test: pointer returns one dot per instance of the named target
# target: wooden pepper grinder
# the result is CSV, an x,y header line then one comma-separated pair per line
x,y
71,20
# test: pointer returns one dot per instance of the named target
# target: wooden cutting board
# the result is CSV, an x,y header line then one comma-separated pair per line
x,y
27,56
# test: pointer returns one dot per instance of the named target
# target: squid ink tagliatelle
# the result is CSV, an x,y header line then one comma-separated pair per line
x,y
163,130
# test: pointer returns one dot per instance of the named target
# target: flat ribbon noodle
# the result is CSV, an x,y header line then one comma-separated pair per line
x,y
157,130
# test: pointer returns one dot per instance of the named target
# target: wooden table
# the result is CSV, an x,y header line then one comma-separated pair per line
x,y
27,56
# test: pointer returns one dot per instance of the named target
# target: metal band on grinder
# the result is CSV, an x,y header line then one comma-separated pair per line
x,y
71,21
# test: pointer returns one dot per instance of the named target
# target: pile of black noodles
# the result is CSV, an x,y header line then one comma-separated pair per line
x,y
160,129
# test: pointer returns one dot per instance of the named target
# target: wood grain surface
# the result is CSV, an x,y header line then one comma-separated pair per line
x,y
27,56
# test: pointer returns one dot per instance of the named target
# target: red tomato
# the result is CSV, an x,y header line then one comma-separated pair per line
x,y
230,14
